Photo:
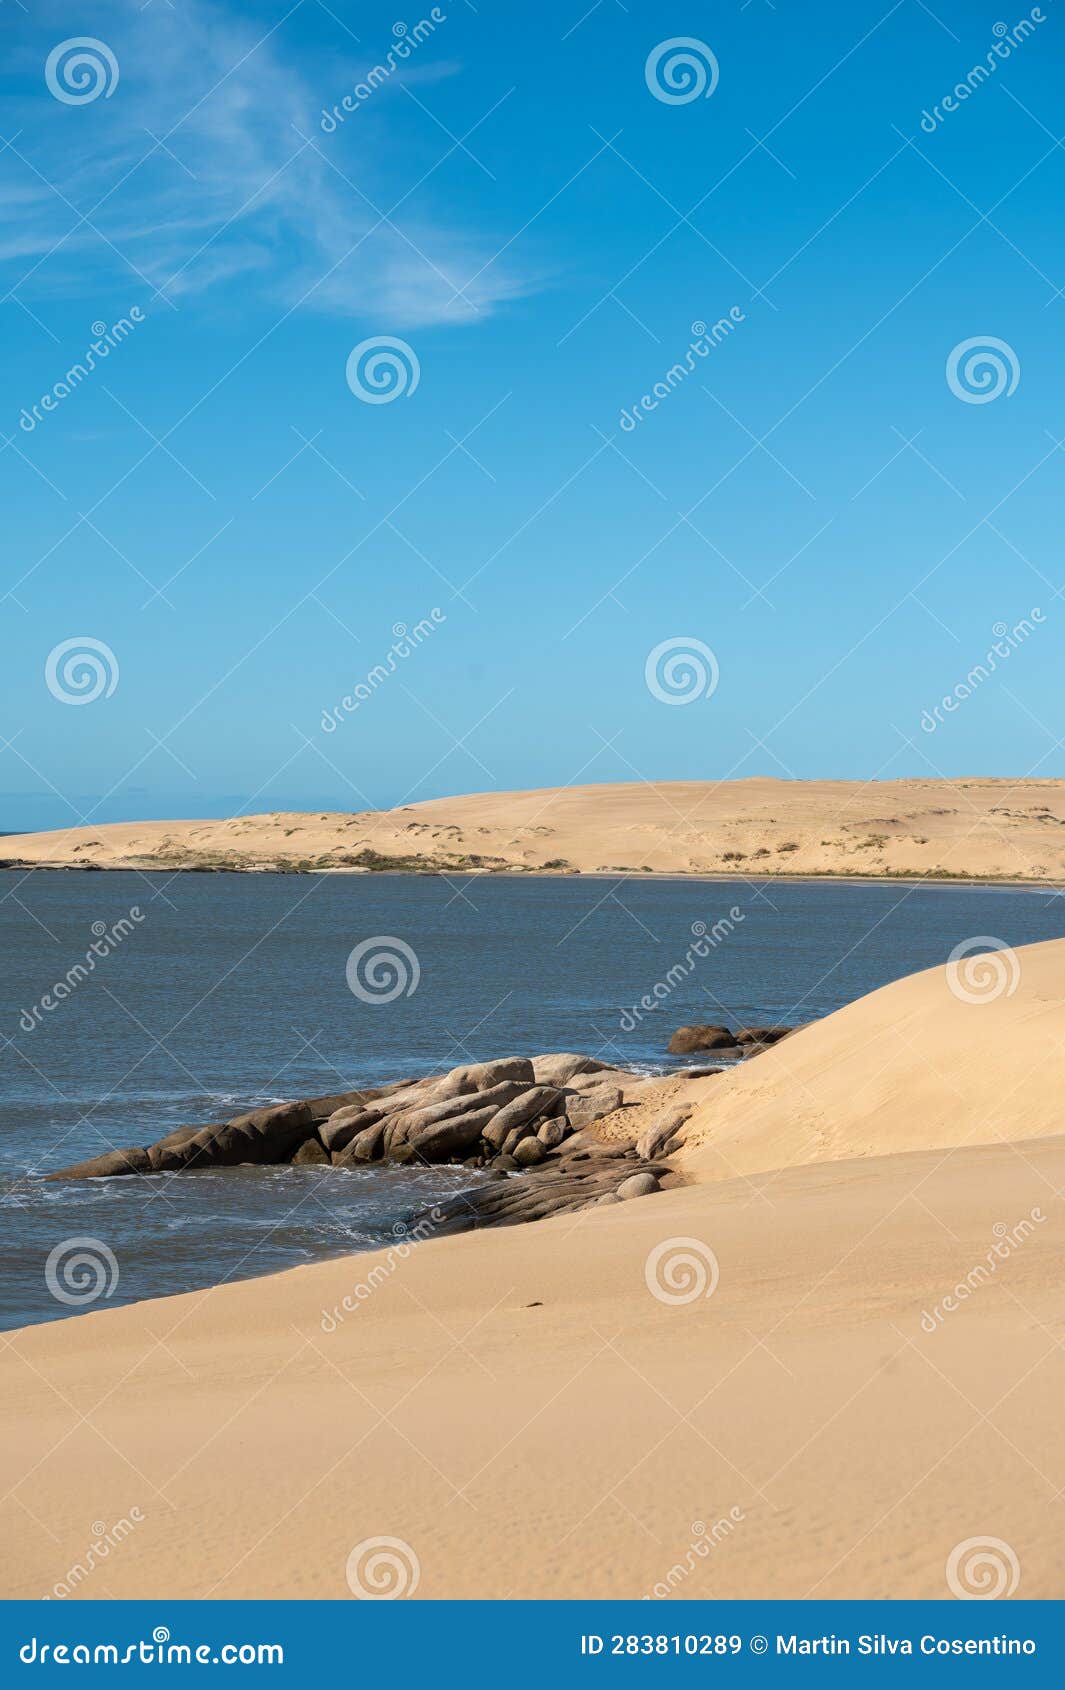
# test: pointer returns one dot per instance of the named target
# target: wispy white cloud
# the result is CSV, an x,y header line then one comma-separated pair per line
x,y
208,165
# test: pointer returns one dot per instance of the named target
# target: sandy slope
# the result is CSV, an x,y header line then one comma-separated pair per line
x,y
521,1410
998,828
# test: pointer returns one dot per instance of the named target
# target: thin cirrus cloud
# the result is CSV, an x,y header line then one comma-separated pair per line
x,y
245,185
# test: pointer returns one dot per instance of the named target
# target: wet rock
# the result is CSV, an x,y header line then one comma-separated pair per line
x,y
311,1153
699,1037
366,1146
762,1035
110,1165
338,1129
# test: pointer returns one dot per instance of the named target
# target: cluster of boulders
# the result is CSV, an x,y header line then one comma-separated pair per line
x,y
747,1041
510,1115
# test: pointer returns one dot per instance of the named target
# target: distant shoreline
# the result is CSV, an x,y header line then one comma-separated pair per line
x,y
807,878
982,831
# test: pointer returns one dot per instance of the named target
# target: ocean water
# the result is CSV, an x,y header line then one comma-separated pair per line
x,y
211,994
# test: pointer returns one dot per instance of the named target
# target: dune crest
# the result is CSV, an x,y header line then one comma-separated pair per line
x,y
969,1053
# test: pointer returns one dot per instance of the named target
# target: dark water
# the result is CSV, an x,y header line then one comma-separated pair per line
x,y
227,991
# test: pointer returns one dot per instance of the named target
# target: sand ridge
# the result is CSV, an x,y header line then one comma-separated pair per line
x,y
979,828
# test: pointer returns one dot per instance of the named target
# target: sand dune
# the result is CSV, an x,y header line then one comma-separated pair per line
x,y
558,1410
983,828
973,1053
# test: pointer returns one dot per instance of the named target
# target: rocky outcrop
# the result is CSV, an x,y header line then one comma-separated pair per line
x,y
551,1189
748,1041
687,1039
513,1113
663,1130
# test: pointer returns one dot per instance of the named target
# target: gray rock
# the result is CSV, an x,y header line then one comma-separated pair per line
x,y
584,1111
559,1068
478,1076
552,1133
441,1140
311,1154
366,1146
662,1128
699,1037
112,1163
411,1123
338,1129
529,1152
637,1185
532,1105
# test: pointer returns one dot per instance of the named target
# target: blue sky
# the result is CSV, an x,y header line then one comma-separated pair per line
x,y
242,532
